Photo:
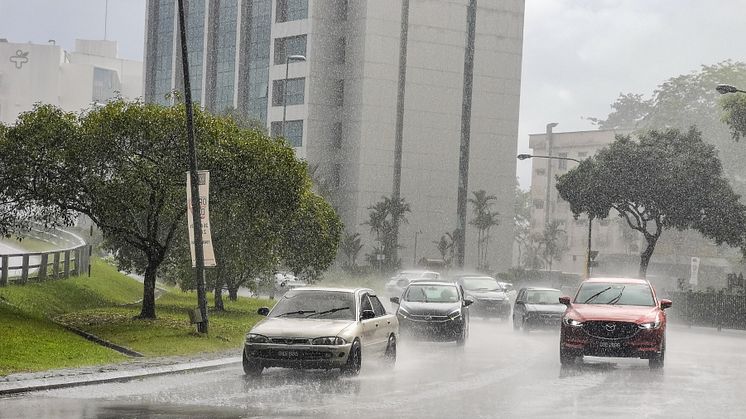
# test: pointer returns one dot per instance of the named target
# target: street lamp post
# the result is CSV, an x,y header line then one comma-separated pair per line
x,y
548,147
590,218
285,87
727,88
414,258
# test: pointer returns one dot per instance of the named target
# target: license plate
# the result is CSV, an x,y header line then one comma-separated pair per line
x,y
288,354
610,344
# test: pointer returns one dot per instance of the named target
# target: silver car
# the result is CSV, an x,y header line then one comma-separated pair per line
x,y
322,328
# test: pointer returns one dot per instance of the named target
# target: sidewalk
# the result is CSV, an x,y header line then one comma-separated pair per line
x,y
141,367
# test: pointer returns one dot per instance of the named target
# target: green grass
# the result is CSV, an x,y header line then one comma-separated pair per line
x,y
102,305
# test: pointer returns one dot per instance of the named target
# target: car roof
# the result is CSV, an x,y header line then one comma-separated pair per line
x,y
617,280
477,276
431,282
333,289
541,289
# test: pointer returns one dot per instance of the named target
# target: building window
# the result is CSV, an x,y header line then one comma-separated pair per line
x,y
541,172
293,132
288,10
295,92
225,55
562,164
337,135
284,47
105,84
256,40
538,203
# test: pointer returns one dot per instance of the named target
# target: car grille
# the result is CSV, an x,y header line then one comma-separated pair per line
x,y
546,316
291,341
610,330
427,318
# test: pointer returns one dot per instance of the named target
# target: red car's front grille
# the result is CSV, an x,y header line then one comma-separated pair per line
x,y
610,329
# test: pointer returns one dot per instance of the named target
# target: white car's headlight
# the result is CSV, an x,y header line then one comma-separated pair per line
x,y
651,325
254,338
328,340
455,314
572,322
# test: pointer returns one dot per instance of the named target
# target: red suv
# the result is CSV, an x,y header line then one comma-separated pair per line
x,y
614,317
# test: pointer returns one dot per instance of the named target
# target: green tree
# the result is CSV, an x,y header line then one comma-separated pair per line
x,y
484,219
666,179
311,238
521,220
734,114
380,220
552,242
351,246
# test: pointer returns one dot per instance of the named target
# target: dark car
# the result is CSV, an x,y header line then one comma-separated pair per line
x,y
435,311
614,317
536,308
490,298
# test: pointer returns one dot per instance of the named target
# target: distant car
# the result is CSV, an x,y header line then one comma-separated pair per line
x,y
615,317
322,328
536,308
435,311
396,284
509,289
490,298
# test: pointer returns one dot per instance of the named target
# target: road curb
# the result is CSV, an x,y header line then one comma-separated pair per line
x,y
51,383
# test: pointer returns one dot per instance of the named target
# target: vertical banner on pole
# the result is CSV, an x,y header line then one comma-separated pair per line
x,y
204,210
694,278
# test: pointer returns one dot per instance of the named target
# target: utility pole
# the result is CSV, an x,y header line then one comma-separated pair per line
x,y
463,161
399,136
199,256
548,138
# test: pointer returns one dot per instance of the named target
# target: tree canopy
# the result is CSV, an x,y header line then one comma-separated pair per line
x,y
664,179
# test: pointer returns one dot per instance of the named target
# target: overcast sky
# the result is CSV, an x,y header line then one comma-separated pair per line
x,y
578,55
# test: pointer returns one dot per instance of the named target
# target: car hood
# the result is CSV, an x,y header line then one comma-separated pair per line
x,y
301,328
433,309
497,295
546,308
585,312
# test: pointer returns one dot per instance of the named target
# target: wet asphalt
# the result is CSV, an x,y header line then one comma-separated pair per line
x,y
499,373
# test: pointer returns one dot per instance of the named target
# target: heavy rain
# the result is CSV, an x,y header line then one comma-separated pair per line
x,y
381,208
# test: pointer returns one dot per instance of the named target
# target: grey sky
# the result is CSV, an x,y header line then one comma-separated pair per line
x,y
578,54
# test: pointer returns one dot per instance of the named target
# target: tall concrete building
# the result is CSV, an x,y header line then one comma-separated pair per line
x,y
341,101
72,80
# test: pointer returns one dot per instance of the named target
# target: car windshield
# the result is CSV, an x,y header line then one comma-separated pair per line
x,y
615,293
542,296
431,294
481,284
332,305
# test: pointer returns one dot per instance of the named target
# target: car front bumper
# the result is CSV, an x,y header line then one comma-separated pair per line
x,y
536,320
297,356
644,344
435,330
490,308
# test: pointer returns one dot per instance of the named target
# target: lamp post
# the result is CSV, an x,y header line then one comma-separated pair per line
x,y
285,87
414,258
727,88
590,218
548,147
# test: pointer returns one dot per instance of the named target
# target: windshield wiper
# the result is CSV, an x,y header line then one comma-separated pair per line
x,y
596,295
618,297
296,312
333,310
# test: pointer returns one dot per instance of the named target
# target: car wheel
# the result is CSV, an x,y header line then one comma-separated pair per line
x,y
516,327
354,360
251,368
525,326
461,338
390,354
657,361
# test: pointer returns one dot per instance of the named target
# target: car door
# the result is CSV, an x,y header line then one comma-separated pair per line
x,y
387,324
519,308
369,326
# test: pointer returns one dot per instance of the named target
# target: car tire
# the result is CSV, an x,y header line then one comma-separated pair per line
x,y
354,360
657,361
251,368
461,338
516,327
390,355
524,326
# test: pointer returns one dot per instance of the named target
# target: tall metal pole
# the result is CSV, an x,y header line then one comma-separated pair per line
x,y
588,251
414,257
285,94
194,179
399,135
463,161
549,170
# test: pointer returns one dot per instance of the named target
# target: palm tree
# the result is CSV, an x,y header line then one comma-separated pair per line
x,y
484,219
552,239
351,246
381,222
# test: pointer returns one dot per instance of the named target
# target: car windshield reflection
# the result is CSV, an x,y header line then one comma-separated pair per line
x,y
431,294
330,305
616,294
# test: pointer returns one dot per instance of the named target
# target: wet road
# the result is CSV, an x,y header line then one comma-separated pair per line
x,y
498,374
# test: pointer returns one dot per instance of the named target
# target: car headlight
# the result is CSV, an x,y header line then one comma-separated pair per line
x,y
455,314
328,340
572,322
254,338
403,313
651,325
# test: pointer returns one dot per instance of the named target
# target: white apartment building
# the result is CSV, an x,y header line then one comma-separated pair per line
x,y
341,101
72,80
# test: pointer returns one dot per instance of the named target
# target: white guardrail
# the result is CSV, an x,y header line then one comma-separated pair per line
x,y
72,257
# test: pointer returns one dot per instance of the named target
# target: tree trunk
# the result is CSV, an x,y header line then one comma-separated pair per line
x,y
148,293
646,255
219,306
233,293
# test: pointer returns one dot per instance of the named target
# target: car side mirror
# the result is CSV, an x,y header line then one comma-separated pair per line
x,y
468,301
666,304
262,311
395,300
367,314
565,300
